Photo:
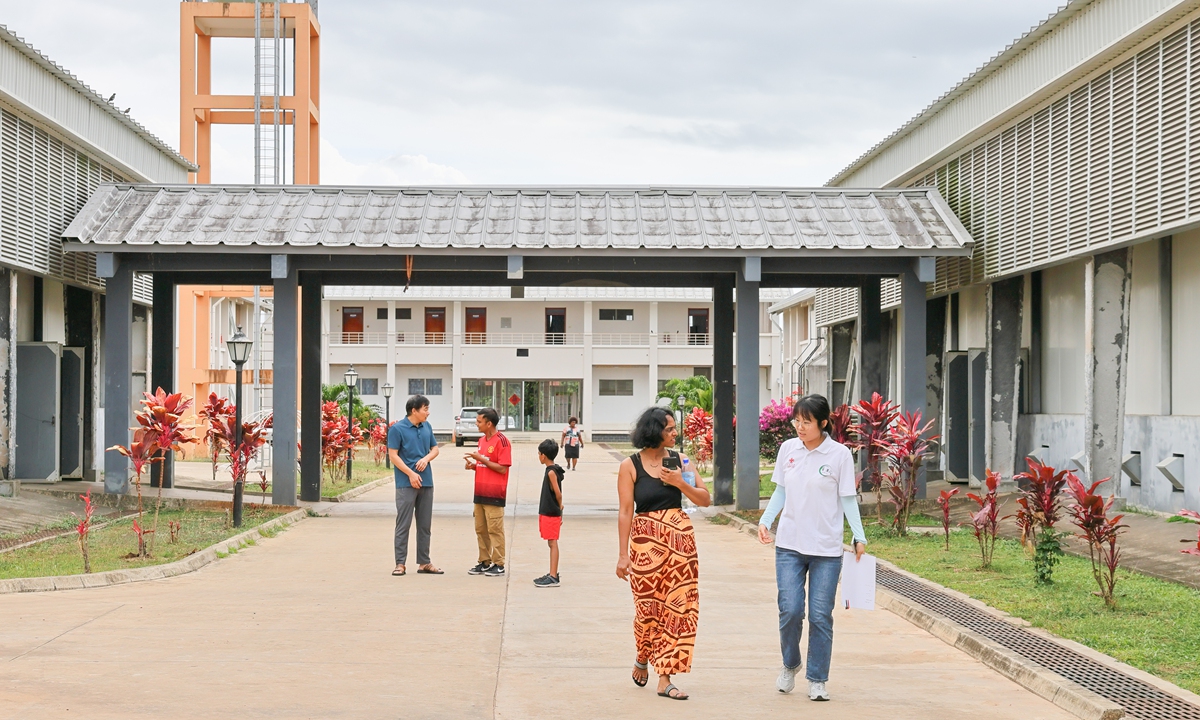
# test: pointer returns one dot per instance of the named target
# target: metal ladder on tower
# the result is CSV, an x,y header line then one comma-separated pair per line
x,y
268,83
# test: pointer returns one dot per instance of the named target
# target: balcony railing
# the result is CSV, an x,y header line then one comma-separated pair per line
x,y
677,339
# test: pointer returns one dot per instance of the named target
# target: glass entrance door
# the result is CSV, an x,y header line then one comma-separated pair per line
x,y
512,405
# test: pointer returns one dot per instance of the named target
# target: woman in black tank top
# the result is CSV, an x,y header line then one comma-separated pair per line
x,y
658,552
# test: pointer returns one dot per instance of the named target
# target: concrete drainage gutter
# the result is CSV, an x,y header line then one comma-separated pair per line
x,y
188,564
1061,691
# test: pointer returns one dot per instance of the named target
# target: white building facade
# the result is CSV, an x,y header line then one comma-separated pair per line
x,y
1073,159
601,354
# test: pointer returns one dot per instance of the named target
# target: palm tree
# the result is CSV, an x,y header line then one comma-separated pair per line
x,y
363,413
697,391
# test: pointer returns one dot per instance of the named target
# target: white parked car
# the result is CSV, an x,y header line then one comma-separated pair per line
x,y
466,429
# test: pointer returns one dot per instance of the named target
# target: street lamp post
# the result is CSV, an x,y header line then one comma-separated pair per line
x,y
239,352
351,378
387,412
679,419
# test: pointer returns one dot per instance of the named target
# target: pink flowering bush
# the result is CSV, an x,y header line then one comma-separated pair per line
x,y
775,426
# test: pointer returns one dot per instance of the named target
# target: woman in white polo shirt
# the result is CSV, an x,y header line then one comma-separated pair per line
x,y
815,488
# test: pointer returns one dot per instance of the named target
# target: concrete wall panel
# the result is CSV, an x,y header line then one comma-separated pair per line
x,y
1063,339
1185,341
1145,356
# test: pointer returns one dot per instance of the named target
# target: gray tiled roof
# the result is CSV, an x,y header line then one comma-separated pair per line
x,y
734,220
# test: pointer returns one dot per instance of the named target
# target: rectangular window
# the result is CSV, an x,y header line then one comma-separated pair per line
x,y
368,386
404,313
506,323
704,372
610,314
622,388
425,386
381,313
662,385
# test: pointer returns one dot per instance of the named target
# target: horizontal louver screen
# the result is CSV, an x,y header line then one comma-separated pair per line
x,y
1108,162
835,305
43,184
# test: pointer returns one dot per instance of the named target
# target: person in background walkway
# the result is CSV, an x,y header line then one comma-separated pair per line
x,y
572,443
490,463
815,488
550,509
411,447
658,552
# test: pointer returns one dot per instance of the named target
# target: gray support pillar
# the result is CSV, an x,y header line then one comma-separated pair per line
x,y
870,341
1106,318
723,391
913,340
8,362
1165,301
310,388
162,361
747,385
118,370
935,350
1005,301
283,384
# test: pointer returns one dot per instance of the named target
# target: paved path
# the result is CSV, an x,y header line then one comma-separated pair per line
x,y
310,624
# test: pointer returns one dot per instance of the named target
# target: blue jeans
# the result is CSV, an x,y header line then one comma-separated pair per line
x,y
791,568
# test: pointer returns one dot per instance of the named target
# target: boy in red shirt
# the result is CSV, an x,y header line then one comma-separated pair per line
x,y
490,463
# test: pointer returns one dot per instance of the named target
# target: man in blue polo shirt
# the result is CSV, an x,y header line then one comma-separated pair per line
x,y
411,447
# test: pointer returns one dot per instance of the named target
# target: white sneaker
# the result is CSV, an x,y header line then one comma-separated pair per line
x,y
816,691
786,682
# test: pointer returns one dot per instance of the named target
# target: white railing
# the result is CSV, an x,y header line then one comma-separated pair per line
x,y
682,338
670,339
621,339
491,338
422,338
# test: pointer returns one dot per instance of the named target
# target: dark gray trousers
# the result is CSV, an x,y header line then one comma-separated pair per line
x,y
412,501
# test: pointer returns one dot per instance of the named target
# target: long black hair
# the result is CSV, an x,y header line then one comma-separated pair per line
x,y
813,407
648,430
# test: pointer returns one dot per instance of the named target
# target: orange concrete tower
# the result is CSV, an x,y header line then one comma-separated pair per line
x,y
199,109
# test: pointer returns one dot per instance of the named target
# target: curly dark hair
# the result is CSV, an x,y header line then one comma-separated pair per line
x,y
648,430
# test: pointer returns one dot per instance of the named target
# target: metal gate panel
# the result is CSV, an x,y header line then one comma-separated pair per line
x,y
38,375
71,413
957,414
978,402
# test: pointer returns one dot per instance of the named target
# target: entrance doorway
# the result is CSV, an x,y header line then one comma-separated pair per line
x,y
697,326
352,325
475,331
556,326
526,405
435,325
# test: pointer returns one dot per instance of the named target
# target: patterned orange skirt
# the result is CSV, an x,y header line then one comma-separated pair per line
x,y
666,598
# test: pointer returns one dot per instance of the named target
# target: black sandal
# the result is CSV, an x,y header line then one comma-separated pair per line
x,y
667,693
642,666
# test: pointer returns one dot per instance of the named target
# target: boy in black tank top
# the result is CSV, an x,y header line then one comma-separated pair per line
x,y
550,509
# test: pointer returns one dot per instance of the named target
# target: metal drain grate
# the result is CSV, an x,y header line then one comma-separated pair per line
x,y
1140,700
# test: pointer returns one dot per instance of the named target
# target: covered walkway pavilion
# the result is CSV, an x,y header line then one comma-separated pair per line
x,y
299,239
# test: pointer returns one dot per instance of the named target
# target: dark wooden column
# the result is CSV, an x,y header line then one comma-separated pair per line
x,y
722,338
162,359
310,387
870,340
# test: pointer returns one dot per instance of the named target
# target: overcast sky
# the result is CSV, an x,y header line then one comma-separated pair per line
x,y
684,92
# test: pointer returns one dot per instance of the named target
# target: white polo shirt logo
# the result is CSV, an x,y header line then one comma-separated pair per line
x,y
825,471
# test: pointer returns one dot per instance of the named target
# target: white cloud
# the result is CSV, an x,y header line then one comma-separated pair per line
x,y
394,170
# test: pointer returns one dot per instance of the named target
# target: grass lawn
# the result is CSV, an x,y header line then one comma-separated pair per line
x,y
365,471
1155,625
108,546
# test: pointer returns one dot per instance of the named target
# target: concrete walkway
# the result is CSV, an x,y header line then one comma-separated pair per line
x,y
311,625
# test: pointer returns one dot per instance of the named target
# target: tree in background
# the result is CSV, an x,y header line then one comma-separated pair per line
x,y
363,413
697,391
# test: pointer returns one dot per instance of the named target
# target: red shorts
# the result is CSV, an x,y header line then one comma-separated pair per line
x,y
549,526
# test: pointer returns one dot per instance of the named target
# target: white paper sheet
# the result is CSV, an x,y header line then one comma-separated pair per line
x,y
858,582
